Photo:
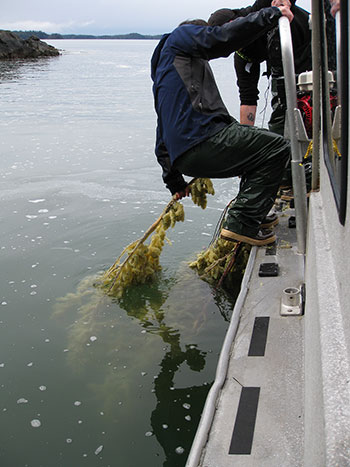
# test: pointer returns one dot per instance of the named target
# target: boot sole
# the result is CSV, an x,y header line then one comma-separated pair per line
x,y
290,197
232,236
270,224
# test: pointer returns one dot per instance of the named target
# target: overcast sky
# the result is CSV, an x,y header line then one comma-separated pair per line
x,y
109,16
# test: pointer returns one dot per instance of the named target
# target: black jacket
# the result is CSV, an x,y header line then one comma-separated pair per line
x,y
247,60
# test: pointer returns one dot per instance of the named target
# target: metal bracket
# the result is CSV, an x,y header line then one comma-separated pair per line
x,y
291,303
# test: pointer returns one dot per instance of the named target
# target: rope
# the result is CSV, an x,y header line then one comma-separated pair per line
x,y
230,264
220,222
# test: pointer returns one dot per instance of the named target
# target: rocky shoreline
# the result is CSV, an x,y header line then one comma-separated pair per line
x,y
13,47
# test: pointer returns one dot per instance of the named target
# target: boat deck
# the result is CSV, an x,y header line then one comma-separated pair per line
x,y
259,413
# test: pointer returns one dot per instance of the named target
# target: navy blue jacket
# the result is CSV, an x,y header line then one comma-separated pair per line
x,y
187,100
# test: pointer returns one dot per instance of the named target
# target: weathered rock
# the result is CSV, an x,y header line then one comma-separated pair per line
x,y
12,46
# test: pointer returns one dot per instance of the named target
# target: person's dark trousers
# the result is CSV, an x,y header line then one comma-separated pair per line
x,y
278,116
257,155
276,125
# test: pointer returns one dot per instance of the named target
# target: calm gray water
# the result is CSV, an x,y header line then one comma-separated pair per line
x,y
86,380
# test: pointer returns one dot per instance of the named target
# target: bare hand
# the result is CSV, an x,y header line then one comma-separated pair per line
x,y
279,3
335,6
182,194
285,10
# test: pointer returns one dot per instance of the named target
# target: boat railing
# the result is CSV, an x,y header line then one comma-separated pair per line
x,y
294,120
206,420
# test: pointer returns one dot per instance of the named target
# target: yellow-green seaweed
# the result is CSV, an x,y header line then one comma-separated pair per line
x,y
212,263
138,262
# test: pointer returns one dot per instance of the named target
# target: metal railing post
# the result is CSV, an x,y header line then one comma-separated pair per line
x,y
298,173
316,92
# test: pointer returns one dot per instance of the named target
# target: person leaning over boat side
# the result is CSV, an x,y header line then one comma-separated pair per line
x,y
197,137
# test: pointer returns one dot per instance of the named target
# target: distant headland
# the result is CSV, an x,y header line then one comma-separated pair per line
x,y
44,35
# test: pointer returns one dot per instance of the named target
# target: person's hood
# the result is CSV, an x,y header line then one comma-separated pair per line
x,y
156,55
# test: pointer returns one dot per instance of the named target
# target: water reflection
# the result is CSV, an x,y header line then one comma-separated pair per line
x,y
174,353
178,410
10,70
14,70
174,404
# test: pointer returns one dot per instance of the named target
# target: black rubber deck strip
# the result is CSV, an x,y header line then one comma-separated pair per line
x,y
243,432
259,337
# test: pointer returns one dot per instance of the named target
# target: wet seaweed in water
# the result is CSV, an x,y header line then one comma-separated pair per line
x,y
222,260
141,261
222,264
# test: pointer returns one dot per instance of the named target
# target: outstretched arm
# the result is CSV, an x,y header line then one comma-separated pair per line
x,y
221,41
